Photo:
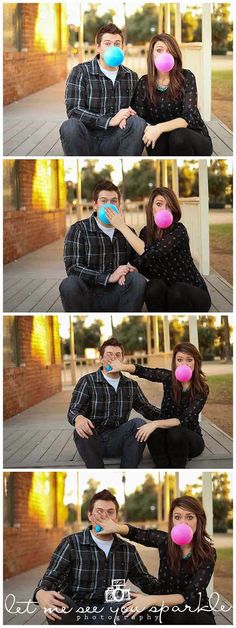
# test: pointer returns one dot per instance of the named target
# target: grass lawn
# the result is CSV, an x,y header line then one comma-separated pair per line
x,y
223,580
222,96
219,406
221,250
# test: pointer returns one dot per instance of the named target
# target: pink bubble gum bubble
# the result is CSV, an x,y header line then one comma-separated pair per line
x,y
183,373
164,62
181,534
163,218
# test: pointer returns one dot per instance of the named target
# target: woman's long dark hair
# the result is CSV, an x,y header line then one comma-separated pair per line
x,y
153,232
176,76
202,546
198,380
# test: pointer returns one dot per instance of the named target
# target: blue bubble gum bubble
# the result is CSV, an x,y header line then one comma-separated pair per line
x,y
98,528
102,212
113,56
108,367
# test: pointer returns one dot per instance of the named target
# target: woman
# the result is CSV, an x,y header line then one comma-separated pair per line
x,y
168,103
176,436
164,257
184,572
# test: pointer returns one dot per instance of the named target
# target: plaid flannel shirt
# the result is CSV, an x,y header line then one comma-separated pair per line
x,y
92,255
91,96
80,569
106,408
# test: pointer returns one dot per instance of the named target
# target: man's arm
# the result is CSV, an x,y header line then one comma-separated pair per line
x,y
75,259
76,100
138,574
58,569
141,404
80,401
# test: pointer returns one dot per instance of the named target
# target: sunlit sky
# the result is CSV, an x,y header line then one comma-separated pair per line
x,y
64,324
71,166
130,7
114,480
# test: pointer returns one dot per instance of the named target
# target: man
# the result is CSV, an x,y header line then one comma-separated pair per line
x,y
100,409
83,567
97,260
101,121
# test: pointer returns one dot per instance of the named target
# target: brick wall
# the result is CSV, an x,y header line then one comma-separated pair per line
x,y
42,60
41,218
31,541
35,379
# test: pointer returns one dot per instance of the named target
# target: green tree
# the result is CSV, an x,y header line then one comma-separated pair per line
x,y
142,24
90,177
222,504
132,333
92,21
85,337
188,180
221,28
142,504
191,26
140,180
220,183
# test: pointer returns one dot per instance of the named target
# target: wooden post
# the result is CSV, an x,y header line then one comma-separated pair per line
x,y
175,176
206,60
81,33
164,173
78,501
178,34
72,353
176,488
160,19
207,502
166,497
159,499
156,334
158,173
193,331
167,18
149,344
79,192
204,218
166,330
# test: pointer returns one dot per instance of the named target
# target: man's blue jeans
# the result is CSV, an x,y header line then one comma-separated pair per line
x,y
78,140
119,441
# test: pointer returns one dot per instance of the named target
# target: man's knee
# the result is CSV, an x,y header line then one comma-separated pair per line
x,y
136,280
70,126
136,124
68,285
136,423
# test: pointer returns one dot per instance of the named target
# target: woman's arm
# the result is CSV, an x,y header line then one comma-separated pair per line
x,y
118,222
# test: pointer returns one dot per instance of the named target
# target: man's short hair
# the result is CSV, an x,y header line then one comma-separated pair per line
x,y
111,342
106,496
108,28
105,185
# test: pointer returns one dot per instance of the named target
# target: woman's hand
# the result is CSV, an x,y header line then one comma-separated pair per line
x,y
108,525
144,431
117,366
135,606
116,220
151,134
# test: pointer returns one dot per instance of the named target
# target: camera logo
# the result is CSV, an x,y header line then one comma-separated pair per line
x,y
117,593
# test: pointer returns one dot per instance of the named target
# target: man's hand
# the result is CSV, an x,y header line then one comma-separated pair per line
x,y
84,426
118,273
53,600
121,115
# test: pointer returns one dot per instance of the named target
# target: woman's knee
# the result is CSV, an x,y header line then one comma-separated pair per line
x,y
177,296
179,140
175,435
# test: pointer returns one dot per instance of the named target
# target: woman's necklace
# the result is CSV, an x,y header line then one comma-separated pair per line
x,y
187,555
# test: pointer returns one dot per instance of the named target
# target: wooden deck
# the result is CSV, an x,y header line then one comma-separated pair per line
x,y
30,131
22,585
41,437
31,283
41,138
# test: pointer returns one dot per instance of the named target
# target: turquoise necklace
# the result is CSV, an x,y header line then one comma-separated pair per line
x,y
162,88
187,556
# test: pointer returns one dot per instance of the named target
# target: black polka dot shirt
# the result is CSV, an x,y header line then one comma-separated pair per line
x,y
164,109
185,583
170,258
187,411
